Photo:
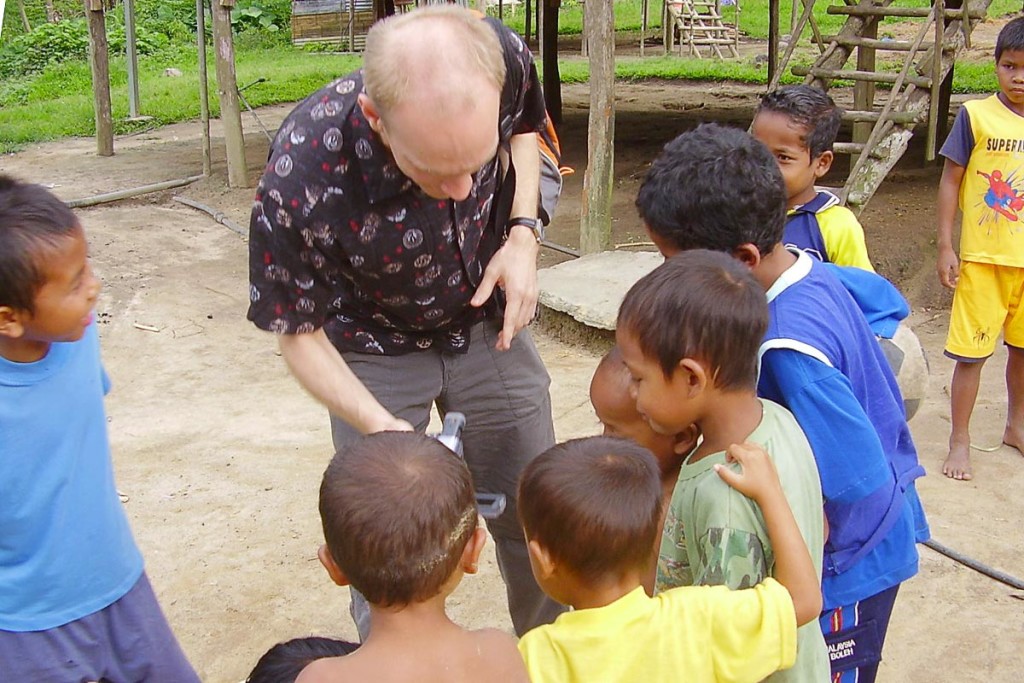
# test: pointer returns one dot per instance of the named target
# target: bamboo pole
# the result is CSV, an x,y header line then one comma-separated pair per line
x,y
204,90
99,64
598,180
227,90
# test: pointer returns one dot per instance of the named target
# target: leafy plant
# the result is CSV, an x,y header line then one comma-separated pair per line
x,y
252,14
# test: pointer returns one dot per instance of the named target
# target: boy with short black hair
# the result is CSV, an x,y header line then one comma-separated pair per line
x,y
285,661
983,174
610,395
799,124
75,602
400,520
718,188
689,333
590,509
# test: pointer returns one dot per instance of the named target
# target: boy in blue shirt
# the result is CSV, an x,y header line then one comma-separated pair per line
x,y
75,603
982,174
718,188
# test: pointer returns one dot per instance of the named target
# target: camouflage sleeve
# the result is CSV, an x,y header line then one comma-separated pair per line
x,y
673,561
730,557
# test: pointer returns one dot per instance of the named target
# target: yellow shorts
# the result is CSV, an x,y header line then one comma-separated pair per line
x,y
987,300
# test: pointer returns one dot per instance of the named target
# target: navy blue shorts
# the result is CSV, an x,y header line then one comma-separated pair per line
x,y
125,642
854,635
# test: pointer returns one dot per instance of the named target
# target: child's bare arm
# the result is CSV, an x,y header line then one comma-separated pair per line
x,y
947,264
794,569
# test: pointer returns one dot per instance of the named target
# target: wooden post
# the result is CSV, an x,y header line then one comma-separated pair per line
x,y
773,38
643,25
527,18
549,55
133,59
204,93
99,64
227,90
864,91
598,180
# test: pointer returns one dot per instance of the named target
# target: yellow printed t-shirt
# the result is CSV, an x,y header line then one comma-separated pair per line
x,y
988,140
696,633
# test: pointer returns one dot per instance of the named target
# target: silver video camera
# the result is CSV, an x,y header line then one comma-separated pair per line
x,y
491,505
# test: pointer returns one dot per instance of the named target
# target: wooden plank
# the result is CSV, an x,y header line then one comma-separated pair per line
x,y
921,12
598,179
892,45
99,64
852,75
897,116
227,90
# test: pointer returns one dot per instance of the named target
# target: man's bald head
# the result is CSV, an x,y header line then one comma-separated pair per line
x,y
441,58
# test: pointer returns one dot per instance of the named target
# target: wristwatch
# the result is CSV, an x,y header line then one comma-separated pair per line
x,y
534,224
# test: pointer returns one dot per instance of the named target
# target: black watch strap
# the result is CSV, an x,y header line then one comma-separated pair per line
x,y
534,224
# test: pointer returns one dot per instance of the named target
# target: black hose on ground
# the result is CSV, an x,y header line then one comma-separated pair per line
x,y
1002,577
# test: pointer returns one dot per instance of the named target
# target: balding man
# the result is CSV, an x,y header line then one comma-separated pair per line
x,y
393,247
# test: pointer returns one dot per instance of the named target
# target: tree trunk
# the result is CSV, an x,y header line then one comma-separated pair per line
x,y
24,17
100,66
51,12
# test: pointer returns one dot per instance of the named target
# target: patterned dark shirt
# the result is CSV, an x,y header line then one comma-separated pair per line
x,y
340,238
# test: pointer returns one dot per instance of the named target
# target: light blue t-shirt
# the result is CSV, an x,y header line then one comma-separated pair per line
x,y
66,549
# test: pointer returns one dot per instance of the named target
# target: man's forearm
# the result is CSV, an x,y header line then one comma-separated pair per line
x,y
526,161
322,372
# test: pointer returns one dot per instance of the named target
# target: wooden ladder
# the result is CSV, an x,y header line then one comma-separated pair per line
x,y
882,131
700,26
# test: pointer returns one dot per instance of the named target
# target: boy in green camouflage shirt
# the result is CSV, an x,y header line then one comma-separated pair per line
x,y
689,333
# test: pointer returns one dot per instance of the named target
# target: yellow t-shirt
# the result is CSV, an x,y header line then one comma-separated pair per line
x,y
992,190
695,633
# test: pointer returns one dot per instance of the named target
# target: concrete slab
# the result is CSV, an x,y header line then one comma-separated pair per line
x,y
591,288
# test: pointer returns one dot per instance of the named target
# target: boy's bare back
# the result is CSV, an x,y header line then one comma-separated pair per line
x,y
439,654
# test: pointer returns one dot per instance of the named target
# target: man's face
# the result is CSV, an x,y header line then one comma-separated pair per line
x,y
441,153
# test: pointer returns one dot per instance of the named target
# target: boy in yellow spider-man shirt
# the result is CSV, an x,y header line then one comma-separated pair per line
x,y
984,163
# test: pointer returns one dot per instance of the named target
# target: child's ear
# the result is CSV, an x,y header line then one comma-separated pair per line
x,y
333,570
694,376
543,564
471,553
748,254
686,440
10,323
823,163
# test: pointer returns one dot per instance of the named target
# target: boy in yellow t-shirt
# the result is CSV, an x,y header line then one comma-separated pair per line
x,y
983,174
590,509
799,124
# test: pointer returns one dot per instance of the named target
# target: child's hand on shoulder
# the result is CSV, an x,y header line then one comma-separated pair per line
x,y
757,477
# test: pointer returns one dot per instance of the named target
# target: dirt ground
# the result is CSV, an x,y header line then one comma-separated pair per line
x,y
220,452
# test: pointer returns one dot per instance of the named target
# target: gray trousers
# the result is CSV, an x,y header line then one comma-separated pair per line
x,y
504,395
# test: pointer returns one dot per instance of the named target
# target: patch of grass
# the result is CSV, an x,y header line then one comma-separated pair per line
x,y
672,68
975,77
58,103
753,18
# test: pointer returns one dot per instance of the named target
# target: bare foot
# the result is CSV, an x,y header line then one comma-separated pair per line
x,y
1014,438
958,463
